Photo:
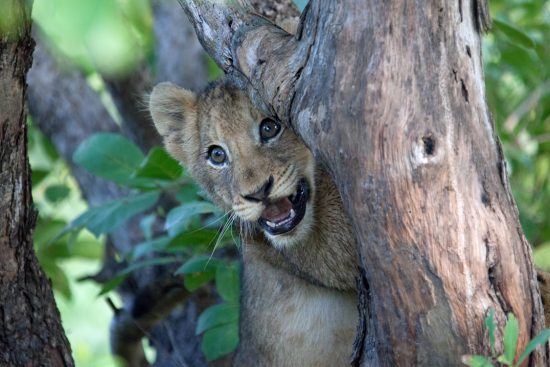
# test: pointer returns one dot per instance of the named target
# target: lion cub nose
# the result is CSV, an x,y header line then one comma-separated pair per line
x,y
262,194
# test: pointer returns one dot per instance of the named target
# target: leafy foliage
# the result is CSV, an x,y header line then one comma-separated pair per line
x,y
53,188
510,341
110,156
104,35
190,229
517,75
106,218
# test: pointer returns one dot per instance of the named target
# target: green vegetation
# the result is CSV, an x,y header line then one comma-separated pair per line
x,y
105,37
191,235
509,341
517,75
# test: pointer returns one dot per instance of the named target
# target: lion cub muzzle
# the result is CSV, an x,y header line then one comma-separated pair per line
x,y
283,215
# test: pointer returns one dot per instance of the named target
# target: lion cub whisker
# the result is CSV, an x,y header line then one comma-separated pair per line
x,y
227,226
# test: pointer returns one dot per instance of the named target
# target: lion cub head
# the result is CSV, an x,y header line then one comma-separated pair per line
x,y
247,162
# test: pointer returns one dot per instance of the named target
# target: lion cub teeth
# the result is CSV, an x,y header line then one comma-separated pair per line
x,y
291,215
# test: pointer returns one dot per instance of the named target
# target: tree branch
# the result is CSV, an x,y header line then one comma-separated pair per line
x,y
180,57
253,49
152,304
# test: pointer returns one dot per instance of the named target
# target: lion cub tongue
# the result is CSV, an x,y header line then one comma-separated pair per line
x,y
277,211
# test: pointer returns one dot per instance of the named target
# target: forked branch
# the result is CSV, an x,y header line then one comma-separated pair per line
x,y
252,48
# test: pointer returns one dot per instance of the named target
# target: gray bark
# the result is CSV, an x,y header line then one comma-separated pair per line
x,y
181,58
390,97
30,327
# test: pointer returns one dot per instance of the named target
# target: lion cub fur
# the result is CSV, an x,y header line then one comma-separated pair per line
x,y
298,305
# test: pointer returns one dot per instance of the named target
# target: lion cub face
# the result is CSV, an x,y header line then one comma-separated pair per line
x,y
247,162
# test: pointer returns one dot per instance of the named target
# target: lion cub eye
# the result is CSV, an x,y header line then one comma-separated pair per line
x,y
269,129
216,155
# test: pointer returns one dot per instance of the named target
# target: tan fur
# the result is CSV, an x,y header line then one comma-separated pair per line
x,y
299,296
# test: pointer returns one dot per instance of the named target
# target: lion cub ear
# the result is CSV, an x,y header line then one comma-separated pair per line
x,y
174,112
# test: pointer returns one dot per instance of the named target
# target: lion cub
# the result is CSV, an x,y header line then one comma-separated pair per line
x,y
298,253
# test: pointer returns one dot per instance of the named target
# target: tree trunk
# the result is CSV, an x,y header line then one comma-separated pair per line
x,y
389,95
30,328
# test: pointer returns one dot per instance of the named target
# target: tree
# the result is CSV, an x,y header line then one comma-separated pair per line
x,y
31,331
390,97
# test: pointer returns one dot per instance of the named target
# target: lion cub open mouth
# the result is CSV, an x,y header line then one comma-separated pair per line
x,y
283,215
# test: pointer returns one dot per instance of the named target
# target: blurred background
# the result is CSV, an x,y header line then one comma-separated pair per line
x,y
108,221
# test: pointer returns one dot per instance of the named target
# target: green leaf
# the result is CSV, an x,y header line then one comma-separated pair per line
x,y
56,193
490,324
86,247
523,62
48,246
138,13
38,175
198,271
511,333
159,165
110,156
54,250
49,149
106,218
503,360
199,264
188,193
194,281
220,341
180,244
203,237
540,339
228,282
143,248
46,231
180,217
58,277
112,283
217,315
146,225
476,361
514,34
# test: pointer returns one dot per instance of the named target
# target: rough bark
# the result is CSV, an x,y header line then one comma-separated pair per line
x,y
390,96
30,327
